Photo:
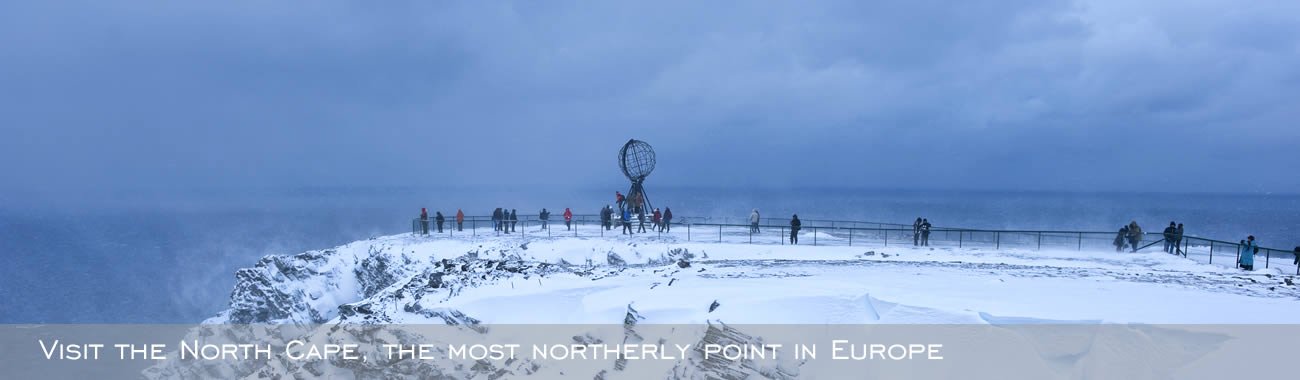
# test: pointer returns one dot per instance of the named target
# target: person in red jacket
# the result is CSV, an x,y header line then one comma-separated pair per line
x,y
424,221
460,220
568,218
618,199
656,220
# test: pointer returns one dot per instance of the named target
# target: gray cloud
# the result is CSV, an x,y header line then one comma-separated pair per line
x,y
1088,95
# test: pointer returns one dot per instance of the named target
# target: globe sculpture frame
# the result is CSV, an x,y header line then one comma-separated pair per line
x,y
637,159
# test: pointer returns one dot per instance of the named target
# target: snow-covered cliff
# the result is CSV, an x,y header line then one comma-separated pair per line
x,y
470,285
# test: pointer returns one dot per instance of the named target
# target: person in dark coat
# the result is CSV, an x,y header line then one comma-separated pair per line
x,y
925,232
916,232
514,218
627,221
668,219
505,220
1178,240
439,219
795,225
1297,256
497,217
1169,236
640,219
1120,238
544,216
424,221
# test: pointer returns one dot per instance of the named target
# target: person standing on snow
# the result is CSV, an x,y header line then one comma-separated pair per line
x,y
568,218
640,219
1178,240
1120,238
925,232
544,216
627,221
916,232
1134,235
619,200
795,225
668,219
1169,236
657,221
460,220
505,220
497,216
514,218
439,219
753,221
424,221
605,217
1246,257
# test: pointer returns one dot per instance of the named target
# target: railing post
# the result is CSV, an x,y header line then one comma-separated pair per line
x,y
719,233
850,236
751,236
886,236
782,235
1268,254
814,236
960,235
688,232
1211,252
997,240
1080,241
1040,241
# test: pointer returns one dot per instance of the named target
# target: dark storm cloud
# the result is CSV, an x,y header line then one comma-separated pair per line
x,y
1089,95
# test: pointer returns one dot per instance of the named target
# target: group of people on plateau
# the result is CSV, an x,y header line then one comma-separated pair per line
x,y
795,224
625,216
438,220
1130,235
921,232
504,220
1174,238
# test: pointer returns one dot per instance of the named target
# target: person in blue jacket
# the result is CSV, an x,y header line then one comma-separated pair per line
x,y
627,221
1246,258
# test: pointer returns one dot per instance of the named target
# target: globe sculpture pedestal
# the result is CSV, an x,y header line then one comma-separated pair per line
x,y
637,160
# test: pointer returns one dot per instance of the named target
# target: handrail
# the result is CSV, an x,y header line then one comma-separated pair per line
x,y
880,227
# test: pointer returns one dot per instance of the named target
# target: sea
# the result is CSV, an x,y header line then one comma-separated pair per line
x,y
171,258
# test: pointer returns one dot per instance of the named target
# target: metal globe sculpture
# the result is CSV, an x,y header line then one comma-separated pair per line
x,y
637,160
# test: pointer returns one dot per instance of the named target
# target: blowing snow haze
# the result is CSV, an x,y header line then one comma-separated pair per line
x,y
1045,95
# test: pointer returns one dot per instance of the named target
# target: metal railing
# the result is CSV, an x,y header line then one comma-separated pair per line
x,y
852,233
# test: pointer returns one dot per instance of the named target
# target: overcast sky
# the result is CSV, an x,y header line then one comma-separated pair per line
x,y
1167,95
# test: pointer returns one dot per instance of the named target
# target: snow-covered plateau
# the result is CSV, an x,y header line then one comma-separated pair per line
x,y
478,282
